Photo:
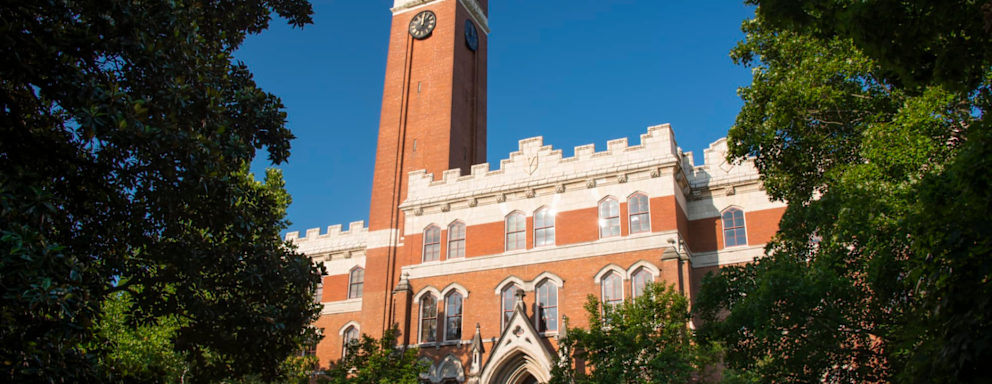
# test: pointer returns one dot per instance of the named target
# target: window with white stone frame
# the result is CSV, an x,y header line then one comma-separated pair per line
x,y
544,227
609,218
453,317
508,298
734,232
516,231
547,306
638,213
456,240
612,296
348,337
428,319
639,280
432,243
356,282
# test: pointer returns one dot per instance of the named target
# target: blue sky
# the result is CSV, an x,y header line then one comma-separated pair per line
x,y
575,72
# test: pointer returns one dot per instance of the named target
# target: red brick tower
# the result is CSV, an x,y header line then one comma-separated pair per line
x,y
433,118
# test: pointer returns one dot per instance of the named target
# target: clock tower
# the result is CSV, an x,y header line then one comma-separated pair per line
x,y
433,117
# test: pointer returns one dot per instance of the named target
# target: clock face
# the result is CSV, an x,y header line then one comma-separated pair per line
x,y
471,35
422,24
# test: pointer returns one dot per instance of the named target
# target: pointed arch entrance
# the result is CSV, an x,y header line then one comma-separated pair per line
x,y
518,369
521,355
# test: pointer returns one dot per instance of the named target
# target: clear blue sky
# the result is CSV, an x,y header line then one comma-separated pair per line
x,y
575,72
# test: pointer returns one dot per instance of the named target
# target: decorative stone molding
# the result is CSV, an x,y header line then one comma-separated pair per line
x,y
473,202
501,198
531,193
343,306
622,178
731,190
418,211
591,183
560,188
655,173
445,207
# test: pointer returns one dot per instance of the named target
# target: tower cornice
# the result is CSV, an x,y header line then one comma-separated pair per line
x,y
474,9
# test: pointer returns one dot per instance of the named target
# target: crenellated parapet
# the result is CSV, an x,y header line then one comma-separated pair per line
x,y
536,169
334,243
717,173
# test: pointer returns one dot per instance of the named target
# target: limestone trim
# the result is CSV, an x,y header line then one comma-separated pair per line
x,y
657,149
529,285
510,280
349,324
449,368
727,256
472,6
551,277
607,246
610,268
455,287
342,306
644,264
425,290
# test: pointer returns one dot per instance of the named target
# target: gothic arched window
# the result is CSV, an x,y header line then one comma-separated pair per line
x,y
456,240
356,280
544,227
509,298
609,218
547,306
432,243
453,316
612,285
516,231
639,280
733,228
348,337
637,207
428,319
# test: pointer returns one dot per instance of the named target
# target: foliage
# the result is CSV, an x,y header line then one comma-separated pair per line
x,y
644,340
126,130
371,361
138,352
876,134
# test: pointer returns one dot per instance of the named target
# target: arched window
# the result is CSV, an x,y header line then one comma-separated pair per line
x,y
456,240
432,243
348,337
640,220
609,218
544,227
509,297
453,316
428,319
355,282
639,280
547,306
733,228
516,231
612,293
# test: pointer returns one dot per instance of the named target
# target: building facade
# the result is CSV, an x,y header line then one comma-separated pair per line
x,y
480,267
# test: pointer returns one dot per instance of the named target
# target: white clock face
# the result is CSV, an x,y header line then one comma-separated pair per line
x,y
422,24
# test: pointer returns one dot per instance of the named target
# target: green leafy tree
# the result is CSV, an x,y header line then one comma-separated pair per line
x,y
870,120
644,340
138,352
126,130
372,361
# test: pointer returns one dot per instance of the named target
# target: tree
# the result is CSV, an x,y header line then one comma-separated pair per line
x,y
876,134
644,340
126,130
371,361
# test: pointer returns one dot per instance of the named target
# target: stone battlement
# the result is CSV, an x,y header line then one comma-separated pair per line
x,y
334,239
536,164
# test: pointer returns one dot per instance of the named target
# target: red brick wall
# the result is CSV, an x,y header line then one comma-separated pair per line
x,y
335,288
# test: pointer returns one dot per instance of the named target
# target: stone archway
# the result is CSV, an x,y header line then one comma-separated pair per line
x,y
519,368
